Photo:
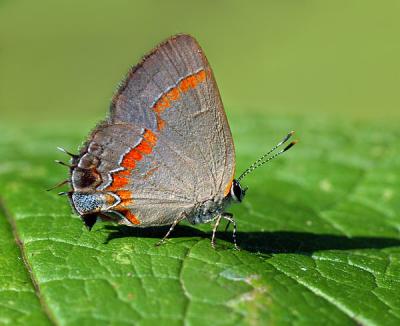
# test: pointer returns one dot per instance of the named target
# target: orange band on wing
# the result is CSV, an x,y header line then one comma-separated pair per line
x,y
229,185
201,76
144,147
119,181
130,158
120,178
125,196
160,123
162,104
174,94
131,217
128,162
228,188
150,137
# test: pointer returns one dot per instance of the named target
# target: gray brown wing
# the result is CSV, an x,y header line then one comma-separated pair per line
x,y
173,93
166,144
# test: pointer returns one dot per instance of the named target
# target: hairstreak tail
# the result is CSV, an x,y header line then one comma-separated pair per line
x,y
165,153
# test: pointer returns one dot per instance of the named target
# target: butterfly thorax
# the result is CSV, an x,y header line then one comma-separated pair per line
x,y
207,210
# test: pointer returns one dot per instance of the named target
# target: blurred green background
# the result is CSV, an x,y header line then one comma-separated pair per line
x,y
319,228
61,60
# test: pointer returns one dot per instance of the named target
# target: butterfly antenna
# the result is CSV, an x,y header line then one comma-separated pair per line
x,y
263,159
58,185
66,152
65,164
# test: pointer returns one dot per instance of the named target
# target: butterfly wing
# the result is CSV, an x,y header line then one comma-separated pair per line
x,y
176,147
173,92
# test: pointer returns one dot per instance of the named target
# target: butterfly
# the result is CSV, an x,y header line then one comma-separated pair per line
x,y
165,153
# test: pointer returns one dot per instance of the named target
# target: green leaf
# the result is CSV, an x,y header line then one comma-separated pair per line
x,y
319,232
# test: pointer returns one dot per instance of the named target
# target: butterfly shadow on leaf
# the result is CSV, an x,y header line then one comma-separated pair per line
x,y
305,243
156,232
261,242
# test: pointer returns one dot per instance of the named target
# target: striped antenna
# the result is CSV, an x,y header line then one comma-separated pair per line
x,y
66,152
263,159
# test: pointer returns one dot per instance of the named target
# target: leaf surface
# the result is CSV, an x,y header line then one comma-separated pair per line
x,y
319,232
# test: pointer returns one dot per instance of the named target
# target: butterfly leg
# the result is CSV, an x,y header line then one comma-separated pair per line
x,y
230,219
227,226
218,220
177,220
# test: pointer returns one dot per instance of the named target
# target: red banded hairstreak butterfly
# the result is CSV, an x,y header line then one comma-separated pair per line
x,y
165,153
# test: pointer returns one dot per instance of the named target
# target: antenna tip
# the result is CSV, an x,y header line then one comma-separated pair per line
x,y
290,145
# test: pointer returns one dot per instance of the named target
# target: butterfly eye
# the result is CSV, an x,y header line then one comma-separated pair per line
x,y
237,193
